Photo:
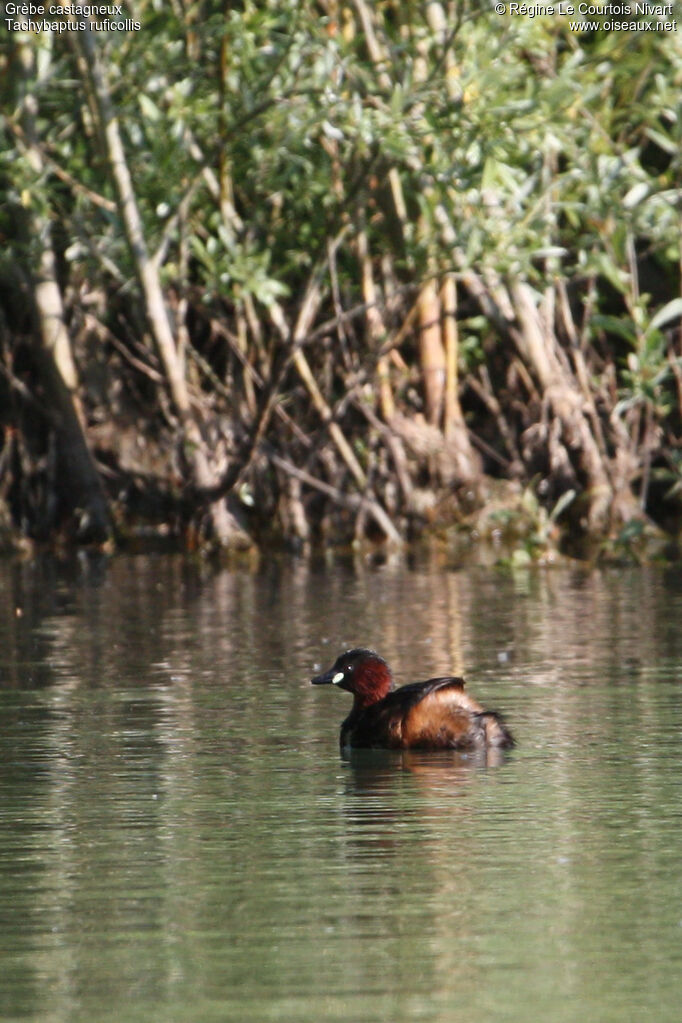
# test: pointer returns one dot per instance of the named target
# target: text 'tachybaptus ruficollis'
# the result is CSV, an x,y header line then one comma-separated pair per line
x,y
436,714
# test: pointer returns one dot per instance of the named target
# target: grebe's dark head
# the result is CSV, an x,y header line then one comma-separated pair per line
x,y
361,672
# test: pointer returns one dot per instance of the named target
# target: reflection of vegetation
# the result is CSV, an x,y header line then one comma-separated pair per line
x,y
368,256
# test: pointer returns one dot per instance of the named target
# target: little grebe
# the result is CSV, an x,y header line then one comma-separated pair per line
x,y
436,714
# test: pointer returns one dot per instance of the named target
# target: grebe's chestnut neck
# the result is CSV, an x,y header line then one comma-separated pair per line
x,y
361,672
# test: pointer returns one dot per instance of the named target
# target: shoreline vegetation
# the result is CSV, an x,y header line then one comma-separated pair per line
x,y
329,275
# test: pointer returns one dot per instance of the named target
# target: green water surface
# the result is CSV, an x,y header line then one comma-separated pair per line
x,y
180,839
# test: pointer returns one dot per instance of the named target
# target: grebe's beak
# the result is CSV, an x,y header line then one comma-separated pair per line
x,y
329,678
